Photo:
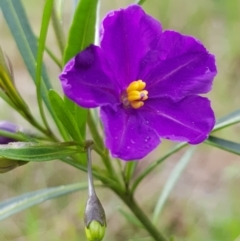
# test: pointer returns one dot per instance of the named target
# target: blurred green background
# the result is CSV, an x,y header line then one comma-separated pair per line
x,y
205,203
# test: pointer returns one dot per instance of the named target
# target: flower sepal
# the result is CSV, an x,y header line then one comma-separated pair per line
x,y
95,220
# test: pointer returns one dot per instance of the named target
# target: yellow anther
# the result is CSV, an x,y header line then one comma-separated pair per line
x,y
136,104
135,94
136,85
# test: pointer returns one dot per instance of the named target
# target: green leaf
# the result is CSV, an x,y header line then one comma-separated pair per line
x,y
171,181
224,144
227,120
7,99
153,165
141,2
17,204
3,62
65,116
7,84
31,151
82,31
79,114
18,23
39,64
79,37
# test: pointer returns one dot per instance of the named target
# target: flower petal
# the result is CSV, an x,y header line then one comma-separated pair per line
x,y
88,80
182,67
126,36
127,135
191,119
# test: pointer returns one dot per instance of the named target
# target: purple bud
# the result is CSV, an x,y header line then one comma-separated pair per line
x,y
10,127
8,164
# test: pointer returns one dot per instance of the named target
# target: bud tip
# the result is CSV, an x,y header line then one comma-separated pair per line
x,y
95,231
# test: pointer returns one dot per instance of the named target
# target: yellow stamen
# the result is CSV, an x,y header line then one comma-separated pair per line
x,y
136,94
136,104
136,85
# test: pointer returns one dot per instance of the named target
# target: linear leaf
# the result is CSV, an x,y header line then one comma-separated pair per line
x,y
17,204
227,120
141,2
65,116
224,144
41,46
31,151
18,23
171,182
82,31
81,34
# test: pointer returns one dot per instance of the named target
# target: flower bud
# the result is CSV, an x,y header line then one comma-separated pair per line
x,y
10,127
95,231
95,220
8,164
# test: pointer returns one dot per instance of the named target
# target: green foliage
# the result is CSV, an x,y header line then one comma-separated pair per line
x,y
224,144
81,35
17,204
71,120
65,116
36,152
18,23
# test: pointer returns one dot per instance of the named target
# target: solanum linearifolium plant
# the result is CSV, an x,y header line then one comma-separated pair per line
x,y
145,84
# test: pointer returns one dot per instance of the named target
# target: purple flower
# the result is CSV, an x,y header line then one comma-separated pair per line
x,y
146,82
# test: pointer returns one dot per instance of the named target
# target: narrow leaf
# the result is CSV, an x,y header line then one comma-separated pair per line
x,y
39,64
81,35
31,151
227,120
153,165
141,2
18,23
171,182
65,116
17,204
224,144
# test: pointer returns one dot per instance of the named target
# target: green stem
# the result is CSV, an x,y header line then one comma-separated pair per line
x,y
137,211
15,136
153,165
108,182
53,57
99,143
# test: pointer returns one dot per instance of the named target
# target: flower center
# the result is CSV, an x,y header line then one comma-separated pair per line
x,y
135,94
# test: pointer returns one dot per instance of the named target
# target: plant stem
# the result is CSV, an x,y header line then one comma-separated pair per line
x,y
131,203
99,144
